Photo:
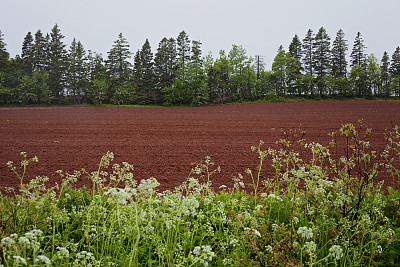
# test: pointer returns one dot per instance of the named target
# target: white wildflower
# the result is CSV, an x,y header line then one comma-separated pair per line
x,y
62,253
18,260
202,255
7,241
44,259
310,247
23,241
305,232
336,251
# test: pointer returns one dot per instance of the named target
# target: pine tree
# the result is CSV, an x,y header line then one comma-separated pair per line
x,y
144,72
339,50
385,76
119,70
294,77
4,55
295,48
57,62
322,59
358,56
197,79
395,63
183,53
359,65
308,53
165,63
395,71
322,53
308,62
28,54
40,52
76,73
118,66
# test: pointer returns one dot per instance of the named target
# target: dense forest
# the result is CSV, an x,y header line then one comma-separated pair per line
x,y
50,72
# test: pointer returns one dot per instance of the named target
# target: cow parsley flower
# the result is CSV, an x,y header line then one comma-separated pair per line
x,y
44,259
305,232
336,251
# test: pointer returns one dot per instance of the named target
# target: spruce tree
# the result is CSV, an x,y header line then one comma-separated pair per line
x,y
183,53
4,55
165,63
144,73
385,76
395,71
40,52
322,59
308,53
339,50
308,62
295,49
28,54
120,70
322,53
118,65
294,77
358,56
57,62
359,66
395,63
76,73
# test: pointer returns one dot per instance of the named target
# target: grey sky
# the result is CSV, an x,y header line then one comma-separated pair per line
x,y
259,26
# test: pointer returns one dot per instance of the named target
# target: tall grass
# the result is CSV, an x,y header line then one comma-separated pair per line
x,y
329,210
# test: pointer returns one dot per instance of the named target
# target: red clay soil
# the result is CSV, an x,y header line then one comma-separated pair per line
x,y
164,142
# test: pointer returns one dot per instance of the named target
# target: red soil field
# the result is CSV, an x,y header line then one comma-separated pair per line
x,y
165,142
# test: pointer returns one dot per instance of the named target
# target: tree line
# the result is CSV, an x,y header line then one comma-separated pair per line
x,y
49,72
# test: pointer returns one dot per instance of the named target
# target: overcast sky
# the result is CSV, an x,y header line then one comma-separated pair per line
x,y
260,26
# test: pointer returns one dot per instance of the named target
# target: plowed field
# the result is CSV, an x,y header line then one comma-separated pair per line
x,y
164,142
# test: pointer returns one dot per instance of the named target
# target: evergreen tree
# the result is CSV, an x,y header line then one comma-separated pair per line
x,y
40,52
28,54
165,63
119,70
385,76
57,62
358,56
395,71
395,63
295,48
322,59
308,53
183,53
144,73
339,50
308,62
4,55
76,73
197,78
294,76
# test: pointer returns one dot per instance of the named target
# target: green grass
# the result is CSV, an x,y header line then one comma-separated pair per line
x,y
326,211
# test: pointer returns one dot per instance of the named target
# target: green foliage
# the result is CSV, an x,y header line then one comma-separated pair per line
x,y
179,75
323,210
